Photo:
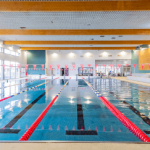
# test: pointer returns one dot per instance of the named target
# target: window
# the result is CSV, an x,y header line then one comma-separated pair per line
x,y
13,70
17,70
1,69
1,49
23,72
6,51
13,53
17,54
7,69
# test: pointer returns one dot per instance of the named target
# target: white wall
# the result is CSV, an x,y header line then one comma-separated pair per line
x,y
63,58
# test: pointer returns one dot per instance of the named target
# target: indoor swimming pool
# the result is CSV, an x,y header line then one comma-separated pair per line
x,y
77,114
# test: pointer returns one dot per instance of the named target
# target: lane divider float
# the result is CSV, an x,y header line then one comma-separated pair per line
x,y
25,90
20,83
29,132
122,118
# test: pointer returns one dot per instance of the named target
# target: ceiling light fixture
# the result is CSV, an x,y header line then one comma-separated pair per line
x,y
123,53
105,54
88,54
71,54
54,55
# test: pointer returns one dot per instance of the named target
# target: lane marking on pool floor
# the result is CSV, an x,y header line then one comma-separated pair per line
x,y
7,128
80,121
25,90
142,116
29,132
122,118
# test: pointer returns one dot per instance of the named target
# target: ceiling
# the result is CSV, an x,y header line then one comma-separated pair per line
x,y
74,20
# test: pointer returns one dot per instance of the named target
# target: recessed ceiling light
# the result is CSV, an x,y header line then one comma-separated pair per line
x,y
22,27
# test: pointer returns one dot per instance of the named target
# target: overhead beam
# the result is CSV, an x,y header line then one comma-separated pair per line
x,y
17,6
77,48
75,32
74,42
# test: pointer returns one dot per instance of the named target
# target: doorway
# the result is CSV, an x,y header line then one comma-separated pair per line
x,y
64,71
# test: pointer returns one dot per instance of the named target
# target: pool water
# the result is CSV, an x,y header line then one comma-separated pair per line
x,y
77,114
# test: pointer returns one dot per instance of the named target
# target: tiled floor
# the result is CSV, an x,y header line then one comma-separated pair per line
x,y
135,82
73,146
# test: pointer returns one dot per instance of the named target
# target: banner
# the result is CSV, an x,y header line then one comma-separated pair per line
x,y
82,66
26,66
50,66
58,66
34,66
119,65
89,65
134,65
96,65
19,66
66,66
142,66
73,66
42,67
111,65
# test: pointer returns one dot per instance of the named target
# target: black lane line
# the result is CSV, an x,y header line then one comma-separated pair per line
x,y
80,121
16,131
16,118
142,116
81,132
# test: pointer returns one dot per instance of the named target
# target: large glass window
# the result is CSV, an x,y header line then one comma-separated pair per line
x,y
17,54
17,70
13,53
1,70
13,70
6,51
23,72
7,69
1,49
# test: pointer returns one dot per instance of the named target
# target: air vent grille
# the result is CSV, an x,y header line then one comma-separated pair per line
x,y
105,56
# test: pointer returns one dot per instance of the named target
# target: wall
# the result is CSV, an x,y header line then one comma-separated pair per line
x,y
63,58
36,57
144,58
135,60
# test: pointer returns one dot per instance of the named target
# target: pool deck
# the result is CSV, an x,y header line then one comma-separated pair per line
x,y
73,146
131,81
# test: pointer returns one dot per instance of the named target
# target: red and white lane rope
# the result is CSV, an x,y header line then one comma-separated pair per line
x,y
20,83
122,118
25,90
29,132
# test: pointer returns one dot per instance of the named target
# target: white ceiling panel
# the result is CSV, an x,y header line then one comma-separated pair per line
x,y
76,20
77,45
72,37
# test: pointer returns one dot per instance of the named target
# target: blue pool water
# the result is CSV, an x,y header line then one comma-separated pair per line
x,y
77,108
